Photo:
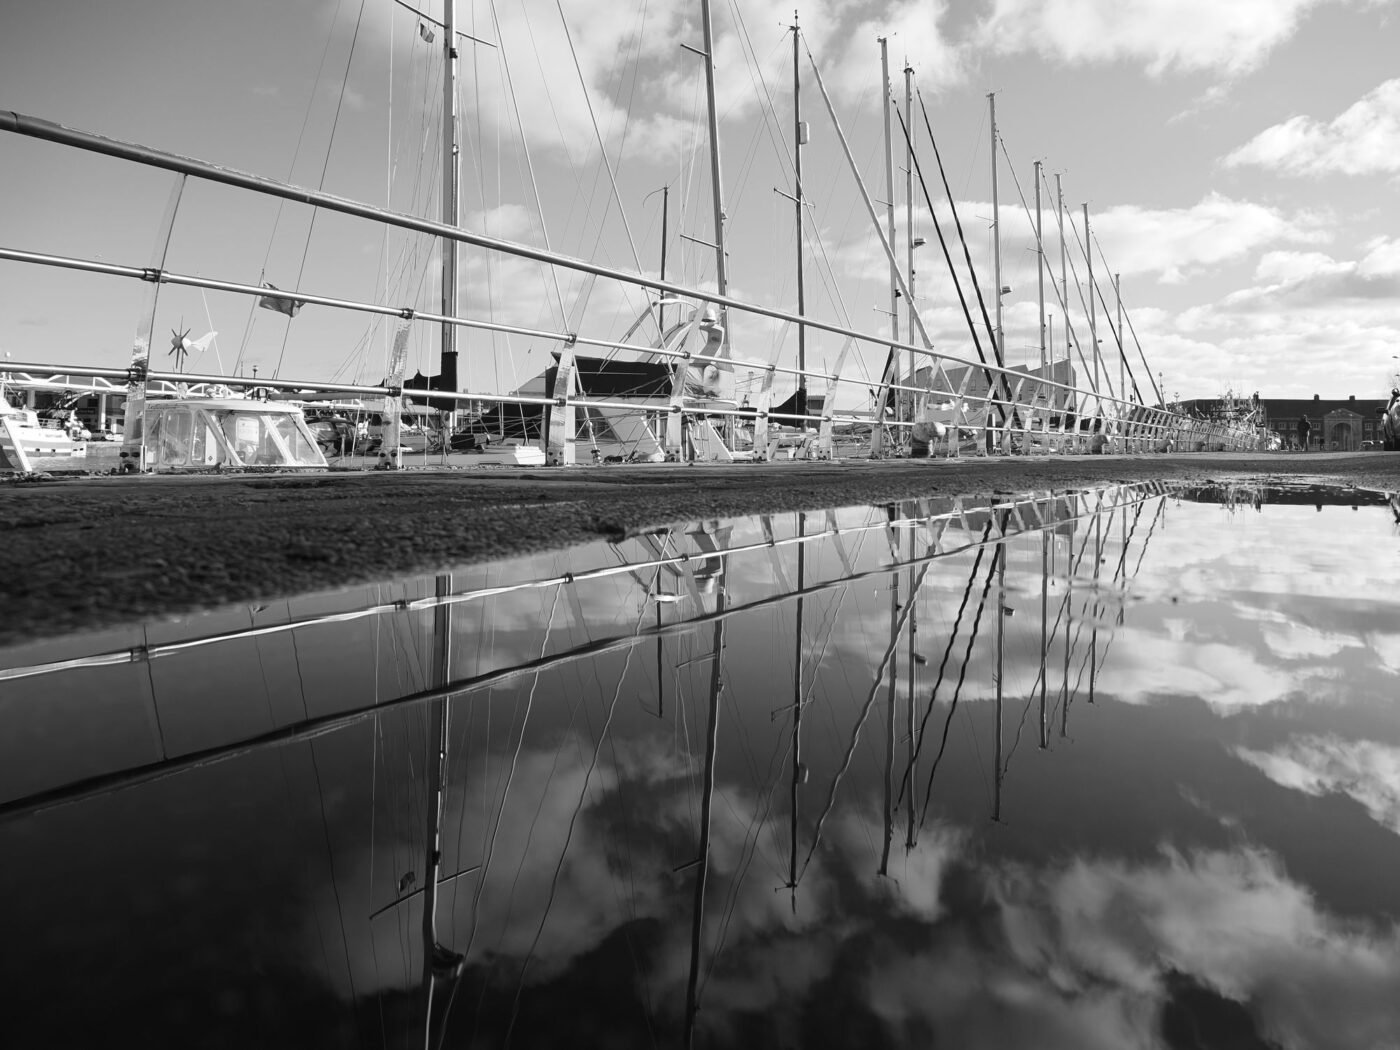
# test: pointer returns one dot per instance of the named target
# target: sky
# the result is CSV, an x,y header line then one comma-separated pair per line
x,y
1239,162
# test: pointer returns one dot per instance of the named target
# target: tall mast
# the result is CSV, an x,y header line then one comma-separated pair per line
x,y
721,269
447,370
1122,356
665,212
1064,272
797,142
889,207
996,254
909,211
1040,268
1093,311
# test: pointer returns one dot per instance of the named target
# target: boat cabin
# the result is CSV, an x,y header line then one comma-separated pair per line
x,y
208,433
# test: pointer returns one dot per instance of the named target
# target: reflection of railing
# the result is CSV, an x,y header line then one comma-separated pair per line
x,y
1018,511
1004,519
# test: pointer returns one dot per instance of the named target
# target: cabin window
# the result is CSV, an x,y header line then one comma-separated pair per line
x,y
302,448
170,437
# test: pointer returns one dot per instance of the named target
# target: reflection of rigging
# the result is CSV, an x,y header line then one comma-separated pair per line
x,y
977,540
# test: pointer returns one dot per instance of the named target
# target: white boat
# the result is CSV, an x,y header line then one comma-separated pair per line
x,y
24,438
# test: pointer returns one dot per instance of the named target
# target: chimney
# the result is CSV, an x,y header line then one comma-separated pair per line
x,y
1317,397
1352,397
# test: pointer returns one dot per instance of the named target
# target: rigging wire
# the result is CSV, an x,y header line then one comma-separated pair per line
x,y
281,203
997,553
943,665
947,256
1127,320
529,163
1084,305
568,837
320,184
967,254
865,713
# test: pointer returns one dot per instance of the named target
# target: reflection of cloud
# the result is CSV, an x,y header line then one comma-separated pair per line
x,y
1093,953
1294,641
1367,771
1226,677
953,947
1387,649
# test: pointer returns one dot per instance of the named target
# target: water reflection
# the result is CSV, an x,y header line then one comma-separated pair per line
x,y
1112,767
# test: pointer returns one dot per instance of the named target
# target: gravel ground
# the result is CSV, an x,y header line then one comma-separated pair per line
x,y
93,552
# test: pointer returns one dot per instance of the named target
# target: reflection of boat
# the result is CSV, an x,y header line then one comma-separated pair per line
x,y
25,437
227,432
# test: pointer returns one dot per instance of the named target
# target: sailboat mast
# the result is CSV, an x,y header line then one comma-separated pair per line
x,y
797,143
889,208
721,268
909,215
1040,268
1064,287
1122,357
996,248
1093,311
665,214
447,370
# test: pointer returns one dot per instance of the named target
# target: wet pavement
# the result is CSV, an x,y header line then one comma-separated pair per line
x,y
1115,765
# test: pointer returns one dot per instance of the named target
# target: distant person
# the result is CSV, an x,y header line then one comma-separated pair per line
x,y
1304,430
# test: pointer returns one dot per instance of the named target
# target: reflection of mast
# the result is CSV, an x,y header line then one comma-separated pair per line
x,y
913,690
797,717
966,660
435,958
1044,623
1001,636
692,1005
1070,567
895,624
1098,557
885,662
943,665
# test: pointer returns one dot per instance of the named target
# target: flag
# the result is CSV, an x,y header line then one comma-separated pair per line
x,y
286,306
425,32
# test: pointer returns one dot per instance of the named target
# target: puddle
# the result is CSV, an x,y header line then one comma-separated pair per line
x,y
1125,771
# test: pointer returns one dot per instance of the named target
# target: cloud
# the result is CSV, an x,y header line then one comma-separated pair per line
x,y
1366,771
1303,279
1167,36
1363,140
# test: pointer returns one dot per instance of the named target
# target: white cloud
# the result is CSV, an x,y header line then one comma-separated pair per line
x,y
1367,771
1294,642
1168,36
1363,140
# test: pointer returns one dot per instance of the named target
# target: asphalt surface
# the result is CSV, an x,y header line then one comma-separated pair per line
x,y
83,553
